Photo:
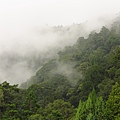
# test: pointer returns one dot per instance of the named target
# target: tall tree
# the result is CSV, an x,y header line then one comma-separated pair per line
x,y
92,109
113,103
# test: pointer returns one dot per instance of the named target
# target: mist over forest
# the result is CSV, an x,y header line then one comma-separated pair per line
x,y
33,32
24,52
59,60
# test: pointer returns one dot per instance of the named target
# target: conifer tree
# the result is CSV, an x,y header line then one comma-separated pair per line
x,y
113,103
92,109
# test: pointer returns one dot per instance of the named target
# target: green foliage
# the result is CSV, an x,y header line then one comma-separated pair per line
x,y
59,85
8,93
80,111
92,109
113,102
58,110
35,117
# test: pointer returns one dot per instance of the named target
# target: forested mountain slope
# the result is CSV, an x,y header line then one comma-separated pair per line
x,y
92,62
54,93
29,51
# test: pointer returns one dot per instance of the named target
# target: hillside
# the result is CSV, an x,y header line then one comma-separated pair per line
x,y
92,60
54,92
35,47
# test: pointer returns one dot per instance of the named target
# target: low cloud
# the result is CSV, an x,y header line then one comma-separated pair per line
x,y
24,49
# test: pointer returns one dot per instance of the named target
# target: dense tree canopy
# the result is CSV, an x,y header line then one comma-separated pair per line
x,y
85,77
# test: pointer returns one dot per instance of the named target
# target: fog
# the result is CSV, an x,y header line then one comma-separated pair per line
x,y
32,32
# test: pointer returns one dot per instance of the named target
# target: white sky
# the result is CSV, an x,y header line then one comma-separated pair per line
x,y
54,12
